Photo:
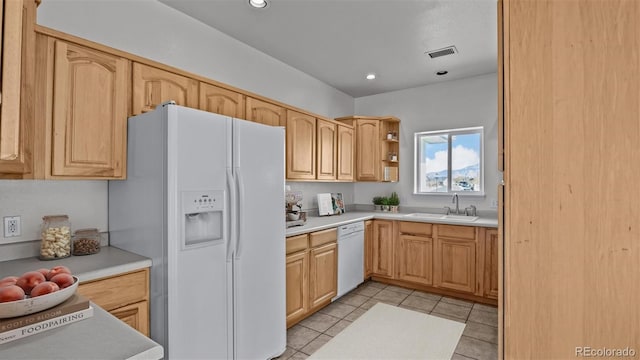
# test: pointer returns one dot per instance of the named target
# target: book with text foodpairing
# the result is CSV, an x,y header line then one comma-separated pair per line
x,y
45,325
75,303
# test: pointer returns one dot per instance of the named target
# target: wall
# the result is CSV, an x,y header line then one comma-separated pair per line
x,y
152,30
311,189
447,105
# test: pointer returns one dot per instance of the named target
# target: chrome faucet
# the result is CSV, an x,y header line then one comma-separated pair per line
x,y
455,201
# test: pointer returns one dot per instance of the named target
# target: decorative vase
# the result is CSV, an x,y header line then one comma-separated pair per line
x,y
394,208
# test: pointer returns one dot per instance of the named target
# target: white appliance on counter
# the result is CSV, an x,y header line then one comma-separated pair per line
x,y
203,200
350,257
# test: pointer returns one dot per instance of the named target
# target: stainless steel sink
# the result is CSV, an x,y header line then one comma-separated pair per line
x,y
426,215
457,218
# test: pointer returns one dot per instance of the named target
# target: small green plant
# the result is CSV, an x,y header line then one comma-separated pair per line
x,y
385,200
393,199
377,200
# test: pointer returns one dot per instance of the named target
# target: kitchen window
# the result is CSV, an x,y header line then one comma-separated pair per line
x,y
449,161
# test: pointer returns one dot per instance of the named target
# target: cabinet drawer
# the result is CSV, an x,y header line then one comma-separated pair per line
x,y
458,232
415,228
323,237
135,315
296,243
118,291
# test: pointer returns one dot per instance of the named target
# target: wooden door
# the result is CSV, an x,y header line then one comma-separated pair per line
x,y
383,248
135,315
491,261
297,286
368,164
89,127
17,55
572,122
265,113
323,275
153,86
221,101
415,259
456,264
368,248
346,153
301,146
326,150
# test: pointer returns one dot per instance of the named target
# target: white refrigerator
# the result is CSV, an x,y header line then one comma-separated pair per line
x,y
204,200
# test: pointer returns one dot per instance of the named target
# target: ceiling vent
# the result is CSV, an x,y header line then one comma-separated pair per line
x,y
449,50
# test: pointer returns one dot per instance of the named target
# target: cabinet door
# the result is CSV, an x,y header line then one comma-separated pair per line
x,y
383,248
265,113
89,127
456,262
221,101
323,275
152,86
297,286
346,153
415,259
135,315
301,146
17,57
491,264
368,164
368,248
326,150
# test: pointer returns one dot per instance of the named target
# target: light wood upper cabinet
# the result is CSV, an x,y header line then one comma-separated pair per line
x,y
17,54
89,112
455,258
221,101
491,262
265,113
368,151
297,270
383,248
301,146
415,253
323,274
346,153
153,86
326,150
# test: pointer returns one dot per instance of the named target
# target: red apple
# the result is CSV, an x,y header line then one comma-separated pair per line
x,y
44,288
29,280
9,280
57,270
63,280
11,293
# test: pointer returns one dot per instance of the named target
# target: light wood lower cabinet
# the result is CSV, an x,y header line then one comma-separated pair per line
x,y
455,258
124,296
153,86
368,248
311,273
383,248
415,253
491,262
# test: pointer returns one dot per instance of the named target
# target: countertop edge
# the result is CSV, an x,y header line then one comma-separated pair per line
x,y
114,270
156,352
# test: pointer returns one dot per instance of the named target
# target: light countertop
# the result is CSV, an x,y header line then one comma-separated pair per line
x,y
317,223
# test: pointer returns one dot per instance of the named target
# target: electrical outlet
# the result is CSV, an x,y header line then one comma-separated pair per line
x,y
12,226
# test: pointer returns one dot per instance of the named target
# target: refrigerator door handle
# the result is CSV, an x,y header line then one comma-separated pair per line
x,y
240,203
231,208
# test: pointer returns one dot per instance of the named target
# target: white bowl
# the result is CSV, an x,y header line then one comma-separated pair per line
x,y
31,305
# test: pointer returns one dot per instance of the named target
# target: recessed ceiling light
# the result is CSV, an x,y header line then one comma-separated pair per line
x,y
258,3
371,76
442,72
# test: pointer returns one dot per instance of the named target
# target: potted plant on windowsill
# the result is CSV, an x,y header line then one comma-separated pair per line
x,y
393,202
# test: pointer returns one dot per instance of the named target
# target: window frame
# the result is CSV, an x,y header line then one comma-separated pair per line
x,y
450,132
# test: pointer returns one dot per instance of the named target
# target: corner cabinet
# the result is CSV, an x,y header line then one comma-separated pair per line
x,y
85,115
153,86
125,296
17,55
377,147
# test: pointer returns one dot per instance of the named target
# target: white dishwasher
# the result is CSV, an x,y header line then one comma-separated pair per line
x,y
350,257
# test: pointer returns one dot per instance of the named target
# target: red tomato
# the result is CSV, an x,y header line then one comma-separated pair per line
x,y
29,280
11,293
9,280
57,270
63,280
44,288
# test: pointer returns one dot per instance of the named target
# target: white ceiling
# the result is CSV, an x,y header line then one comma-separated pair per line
x,y
339,42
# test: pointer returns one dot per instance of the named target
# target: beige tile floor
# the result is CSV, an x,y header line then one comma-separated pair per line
x,y
479,339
